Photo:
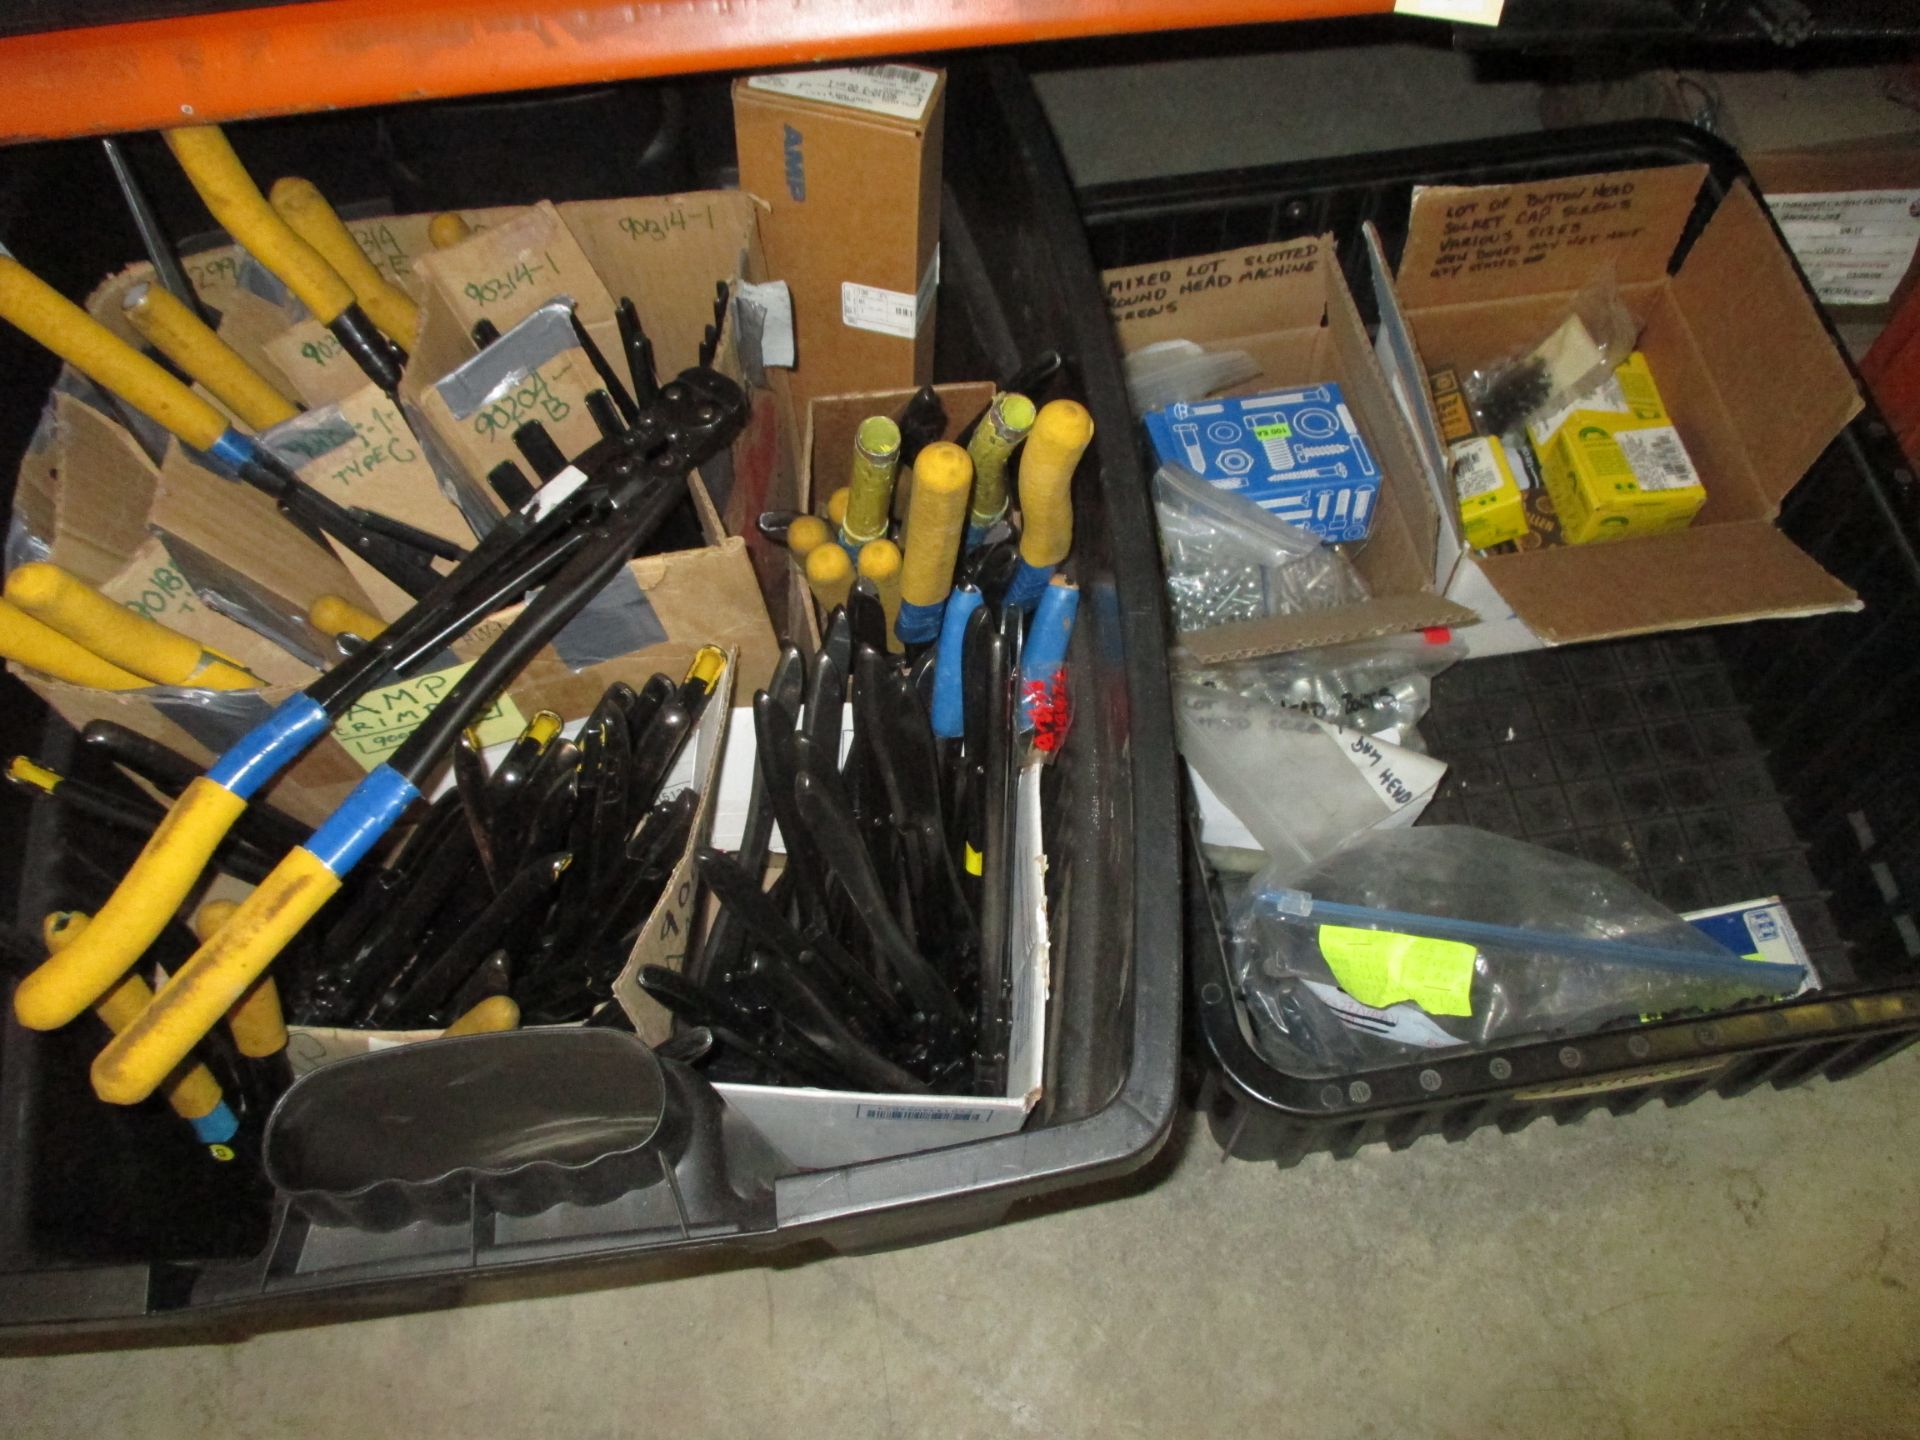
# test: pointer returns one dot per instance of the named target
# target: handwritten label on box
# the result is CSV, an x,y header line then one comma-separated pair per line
x,y
378,722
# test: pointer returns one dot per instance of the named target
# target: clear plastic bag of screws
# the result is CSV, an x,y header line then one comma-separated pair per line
x,y
1379,686
1228,560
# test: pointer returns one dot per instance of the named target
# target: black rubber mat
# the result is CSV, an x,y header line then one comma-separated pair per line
x,y
1636,755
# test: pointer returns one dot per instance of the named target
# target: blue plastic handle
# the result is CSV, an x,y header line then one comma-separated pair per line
x,y
949,665
1045,650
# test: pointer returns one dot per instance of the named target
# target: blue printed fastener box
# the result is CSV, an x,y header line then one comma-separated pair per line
x,y
1295,452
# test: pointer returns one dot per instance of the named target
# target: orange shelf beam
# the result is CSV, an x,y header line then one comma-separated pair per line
x,y
333,54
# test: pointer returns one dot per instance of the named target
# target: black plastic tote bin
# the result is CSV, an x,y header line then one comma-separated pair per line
x,y
1816,797
89,1236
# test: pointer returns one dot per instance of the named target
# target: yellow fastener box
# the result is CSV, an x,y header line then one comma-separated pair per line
x,y
1490,505
1613,475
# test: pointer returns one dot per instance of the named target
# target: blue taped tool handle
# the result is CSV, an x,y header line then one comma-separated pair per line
x,y
918,624
949,666
217,1126
267,749
1025,587
234,448
1045,650
363,817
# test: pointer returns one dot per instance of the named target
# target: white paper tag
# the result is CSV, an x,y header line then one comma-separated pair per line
x,y
888,312
1855,245
1459,12
901,91
1405,1023
1404,780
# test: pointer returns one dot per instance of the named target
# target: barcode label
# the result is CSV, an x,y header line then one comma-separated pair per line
x,y
1658,458
889,312
1475,471
920,1112
901,91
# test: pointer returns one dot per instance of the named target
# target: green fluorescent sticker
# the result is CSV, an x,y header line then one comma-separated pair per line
x,y
381,719
1278,430
1382,968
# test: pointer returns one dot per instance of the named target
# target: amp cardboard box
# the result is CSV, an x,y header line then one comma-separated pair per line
x,y
1753,381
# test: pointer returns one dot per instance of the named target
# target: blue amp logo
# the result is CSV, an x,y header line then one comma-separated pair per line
x,y
796,164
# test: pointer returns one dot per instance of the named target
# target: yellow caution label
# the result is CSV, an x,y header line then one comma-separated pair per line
x,y
1382,968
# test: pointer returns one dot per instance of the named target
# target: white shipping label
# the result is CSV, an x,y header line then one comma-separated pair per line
x,y
1658,458
1459,12
888,312
1475,471
901,91
1855,245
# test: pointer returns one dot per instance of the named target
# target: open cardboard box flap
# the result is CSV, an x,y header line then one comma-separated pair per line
x,y
1288,307
1744,362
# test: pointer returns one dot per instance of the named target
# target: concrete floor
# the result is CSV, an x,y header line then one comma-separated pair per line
x,y
1745,1268
1731,1268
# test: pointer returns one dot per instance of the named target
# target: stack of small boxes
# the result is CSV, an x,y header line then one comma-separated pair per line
x,y
1606,466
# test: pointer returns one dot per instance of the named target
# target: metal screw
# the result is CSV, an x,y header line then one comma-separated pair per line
x,y
1500,1068
1359,1092
1429,1080
1570,1057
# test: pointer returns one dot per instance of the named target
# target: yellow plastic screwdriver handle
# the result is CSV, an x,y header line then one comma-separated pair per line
x,y
1060,436
447,229
829,576
936,517
487,1017
184,338
876,460
156,885
214,980
259,1028
837,508
193,1091
1007,422
48,317
119,635
300,203
26,641
333,616
880,563
806,534
235,201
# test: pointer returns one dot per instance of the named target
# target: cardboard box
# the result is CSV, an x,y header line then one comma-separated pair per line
x,y
1745,364
662,940
1297,453
1288,307
848,164
1850,210
228,538
823,1129
814,1129
826,451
